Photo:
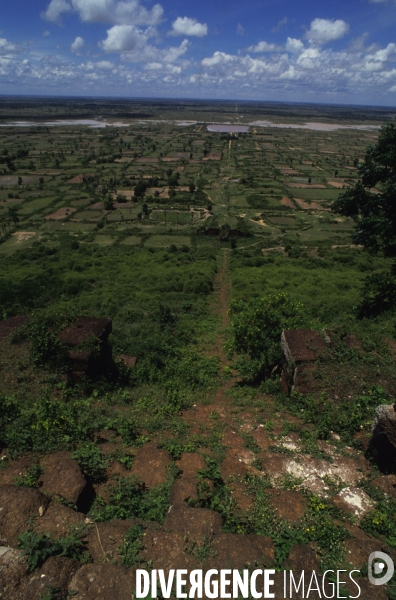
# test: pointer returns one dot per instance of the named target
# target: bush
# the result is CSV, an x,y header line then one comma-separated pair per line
x,y
37,547
91,461
257,326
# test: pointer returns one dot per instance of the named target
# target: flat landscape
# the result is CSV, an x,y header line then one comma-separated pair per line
x,y
160,220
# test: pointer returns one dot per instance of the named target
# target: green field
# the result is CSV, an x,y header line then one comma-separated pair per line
x,y
185,255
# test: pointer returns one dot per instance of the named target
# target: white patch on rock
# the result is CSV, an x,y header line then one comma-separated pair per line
x,y
313,470
356,500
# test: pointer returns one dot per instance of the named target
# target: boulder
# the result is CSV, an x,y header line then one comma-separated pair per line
x,y
300,348
18,505
13,570
101,582
7,326
383,441
62,477
151,465
354,500
55,573
79,338
193,523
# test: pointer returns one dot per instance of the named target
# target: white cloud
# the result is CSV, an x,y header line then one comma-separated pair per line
x,y
123,38
294,46
77,45
154,66
46,33
105,65
263,47
8,47
384,54
218,58
325,30
281,24
190,27
392,89
240,29
118,12
151,54
55,9
174,52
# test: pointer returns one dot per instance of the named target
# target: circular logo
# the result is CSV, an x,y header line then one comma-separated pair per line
x,y
378,567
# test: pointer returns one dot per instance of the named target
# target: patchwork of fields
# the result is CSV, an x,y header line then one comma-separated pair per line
x,y
174,457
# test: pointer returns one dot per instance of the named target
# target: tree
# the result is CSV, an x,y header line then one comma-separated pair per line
x,y
108,203
257,325
140,188
13,214
371,203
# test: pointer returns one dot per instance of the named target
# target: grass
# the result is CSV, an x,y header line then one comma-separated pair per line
x,y
157,287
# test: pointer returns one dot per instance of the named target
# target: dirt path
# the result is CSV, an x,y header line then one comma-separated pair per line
x,y
243,464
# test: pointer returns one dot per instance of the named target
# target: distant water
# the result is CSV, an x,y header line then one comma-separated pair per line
x,y
213,127
314,126
88,122
228,128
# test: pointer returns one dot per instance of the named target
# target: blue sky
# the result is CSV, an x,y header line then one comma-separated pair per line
x,y
312,51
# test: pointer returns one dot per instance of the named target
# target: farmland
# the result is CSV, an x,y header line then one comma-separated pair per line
x,y
145,215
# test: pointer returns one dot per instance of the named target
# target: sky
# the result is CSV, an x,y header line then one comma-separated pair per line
x,y
284,50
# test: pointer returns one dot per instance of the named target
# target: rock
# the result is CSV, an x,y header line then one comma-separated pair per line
x,y
288,505
303,557
383,441
111,536
236,551
354,500
13,570
16,468
262,438
84,329
194,523
190,463
127,361
360,545
56,573
367,590
58,520
151,465
62,477
313,470
17,506
387,484
7,326
235,463
300,347
183,489
240,494
84,360
168,550
101,582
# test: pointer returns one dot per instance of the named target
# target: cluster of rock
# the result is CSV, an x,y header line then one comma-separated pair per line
x,y
300,350
89,350
87,343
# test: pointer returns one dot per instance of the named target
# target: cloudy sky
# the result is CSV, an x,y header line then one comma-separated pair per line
x,y
312,51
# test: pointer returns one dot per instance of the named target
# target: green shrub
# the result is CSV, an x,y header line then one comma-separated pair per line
x,y
37,547
349,417
91,461
257,325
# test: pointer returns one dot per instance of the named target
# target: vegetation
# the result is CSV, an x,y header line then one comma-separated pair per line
x,y
191,241
370,202
257,326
